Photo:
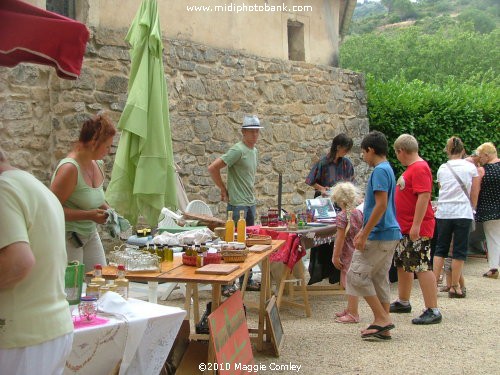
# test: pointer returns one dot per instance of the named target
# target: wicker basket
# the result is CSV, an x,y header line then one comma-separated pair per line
x,y
258,239
234,256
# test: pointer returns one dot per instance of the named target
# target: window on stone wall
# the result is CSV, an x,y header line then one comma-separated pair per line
x,y
62,7
296,51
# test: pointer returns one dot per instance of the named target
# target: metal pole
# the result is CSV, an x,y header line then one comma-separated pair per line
x,y
280,192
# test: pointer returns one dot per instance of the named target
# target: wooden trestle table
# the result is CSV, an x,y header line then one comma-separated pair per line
x,y
177,272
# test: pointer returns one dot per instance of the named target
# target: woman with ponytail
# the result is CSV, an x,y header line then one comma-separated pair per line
x,y
458,191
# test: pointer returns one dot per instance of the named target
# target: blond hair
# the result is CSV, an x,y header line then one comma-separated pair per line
x,y
487,148
407,143
346,195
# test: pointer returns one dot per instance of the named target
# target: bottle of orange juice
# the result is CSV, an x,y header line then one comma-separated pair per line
x,y
229,227
241,228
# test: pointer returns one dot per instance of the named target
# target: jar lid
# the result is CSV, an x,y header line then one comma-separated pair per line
x,y
88,299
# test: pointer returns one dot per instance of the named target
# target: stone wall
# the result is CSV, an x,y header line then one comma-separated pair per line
x,y
302,107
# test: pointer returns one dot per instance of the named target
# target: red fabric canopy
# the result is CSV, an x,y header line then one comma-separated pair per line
x,y
31,34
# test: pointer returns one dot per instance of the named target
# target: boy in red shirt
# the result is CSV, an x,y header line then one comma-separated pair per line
x,y
416,219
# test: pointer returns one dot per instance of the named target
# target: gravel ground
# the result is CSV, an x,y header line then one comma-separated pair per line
x,y
466,342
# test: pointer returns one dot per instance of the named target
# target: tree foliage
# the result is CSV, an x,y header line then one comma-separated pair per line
x,y
456,51
434,79
370,15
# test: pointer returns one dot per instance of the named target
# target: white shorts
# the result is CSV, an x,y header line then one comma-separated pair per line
x,y
48,358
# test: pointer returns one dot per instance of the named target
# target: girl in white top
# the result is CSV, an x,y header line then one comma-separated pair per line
x,y
458,191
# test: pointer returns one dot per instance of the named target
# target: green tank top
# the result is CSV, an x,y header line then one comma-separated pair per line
x,y
84,197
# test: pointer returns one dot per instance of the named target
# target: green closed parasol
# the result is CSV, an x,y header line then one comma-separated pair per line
x,y
143,180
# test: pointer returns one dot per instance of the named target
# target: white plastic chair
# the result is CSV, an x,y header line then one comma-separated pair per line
x,y
168,222
198,207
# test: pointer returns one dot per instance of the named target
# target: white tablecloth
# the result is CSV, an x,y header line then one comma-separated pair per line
x,y
141,339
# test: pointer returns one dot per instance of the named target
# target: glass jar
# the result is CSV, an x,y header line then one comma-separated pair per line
x,y
87,309
103,290
92,290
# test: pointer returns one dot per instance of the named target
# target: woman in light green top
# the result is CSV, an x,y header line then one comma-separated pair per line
x,y
78,183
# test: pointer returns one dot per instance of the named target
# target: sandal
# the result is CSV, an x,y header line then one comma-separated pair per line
x,y
445,289
378,330
453,292
347,318
229,291
492,274
341,313
253,286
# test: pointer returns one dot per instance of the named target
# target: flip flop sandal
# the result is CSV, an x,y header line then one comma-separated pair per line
x,y
379,329
383,337
445,289
377,338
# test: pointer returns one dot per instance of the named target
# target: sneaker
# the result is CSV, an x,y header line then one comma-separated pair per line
x,y
398,308
428,317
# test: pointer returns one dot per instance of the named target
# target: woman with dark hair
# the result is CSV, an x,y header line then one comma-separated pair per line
x,y
333,167
78,183
330,169
458,182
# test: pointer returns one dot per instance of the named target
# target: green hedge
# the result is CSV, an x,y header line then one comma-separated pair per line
x,y
433,113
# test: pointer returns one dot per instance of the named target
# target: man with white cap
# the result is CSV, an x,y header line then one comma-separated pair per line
x,y
241,160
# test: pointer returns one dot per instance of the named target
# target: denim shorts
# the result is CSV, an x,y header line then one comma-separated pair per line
x,y
456,229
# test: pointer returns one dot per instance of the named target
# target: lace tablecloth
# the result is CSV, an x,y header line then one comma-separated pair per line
x,y
137,342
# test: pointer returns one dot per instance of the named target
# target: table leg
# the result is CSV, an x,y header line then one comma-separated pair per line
x,y
153,291
262,305
216,292
303,287
196,304
243,287
187,301
281,287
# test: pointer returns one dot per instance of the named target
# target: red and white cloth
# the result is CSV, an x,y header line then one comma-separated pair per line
x,y
290,253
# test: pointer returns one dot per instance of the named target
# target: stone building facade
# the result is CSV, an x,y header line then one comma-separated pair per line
x,y
302,107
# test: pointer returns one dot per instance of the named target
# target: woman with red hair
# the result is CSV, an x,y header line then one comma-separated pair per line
x,y
78,183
